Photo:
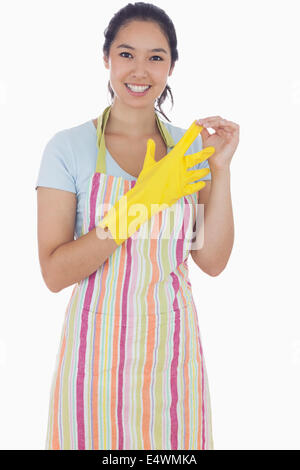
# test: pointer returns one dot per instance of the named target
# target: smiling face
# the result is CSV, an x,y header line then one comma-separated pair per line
x,y
137,63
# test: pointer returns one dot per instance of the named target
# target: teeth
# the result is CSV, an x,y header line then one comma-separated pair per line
x,y
137,88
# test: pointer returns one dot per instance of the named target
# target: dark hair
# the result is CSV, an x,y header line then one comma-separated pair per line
x,y
143,12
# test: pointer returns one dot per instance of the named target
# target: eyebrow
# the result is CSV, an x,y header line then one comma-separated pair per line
x,y
159,49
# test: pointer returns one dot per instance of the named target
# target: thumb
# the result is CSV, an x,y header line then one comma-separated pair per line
x,y
204,134
150,155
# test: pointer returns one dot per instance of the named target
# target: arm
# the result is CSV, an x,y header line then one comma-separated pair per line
x,y
218,224
63,260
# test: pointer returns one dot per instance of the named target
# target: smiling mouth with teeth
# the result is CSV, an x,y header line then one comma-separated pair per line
x,y
137,87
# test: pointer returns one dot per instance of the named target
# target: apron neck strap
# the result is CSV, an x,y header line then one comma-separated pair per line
x,y
102,121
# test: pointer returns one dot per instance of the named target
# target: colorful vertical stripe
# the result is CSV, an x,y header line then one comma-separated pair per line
x,y
130,371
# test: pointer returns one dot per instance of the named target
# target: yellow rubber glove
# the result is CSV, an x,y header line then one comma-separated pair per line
x,y
159,185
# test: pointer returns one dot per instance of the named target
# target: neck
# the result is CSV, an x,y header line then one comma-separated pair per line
x,y
131,122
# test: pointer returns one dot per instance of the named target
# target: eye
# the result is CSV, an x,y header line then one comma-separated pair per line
x,y
152,56
124,53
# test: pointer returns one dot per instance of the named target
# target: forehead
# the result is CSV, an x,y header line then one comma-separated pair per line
x,y
140,34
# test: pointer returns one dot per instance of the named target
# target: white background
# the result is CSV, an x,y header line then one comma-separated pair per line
x,y
239,60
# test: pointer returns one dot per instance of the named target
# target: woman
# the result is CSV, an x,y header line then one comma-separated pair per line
x,y
130,371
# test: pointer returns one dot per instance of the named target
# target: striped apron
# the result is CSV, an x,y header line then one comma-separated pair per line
x,y
130,372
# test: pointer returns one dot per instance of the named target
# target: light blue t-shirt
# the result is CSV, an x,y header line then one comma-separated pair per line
x,y
70,156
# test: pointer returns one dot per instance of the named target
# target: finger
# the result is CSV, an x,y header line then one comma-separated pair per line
x,y
218,121
193,188
196,175
204,133
207,118
235,126
222,132
188,138
149,160
150,155
199,157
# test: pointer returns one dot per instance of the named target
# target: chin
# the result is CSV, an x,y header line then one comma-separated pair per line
x,y
136,103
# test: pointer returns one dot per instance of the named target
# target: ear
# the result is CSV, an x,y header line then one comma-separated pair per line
x,y
106,63
171,70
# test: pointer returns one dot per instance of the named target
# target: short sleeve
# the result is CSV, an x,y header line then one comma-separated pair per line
x,y
57,165
197,148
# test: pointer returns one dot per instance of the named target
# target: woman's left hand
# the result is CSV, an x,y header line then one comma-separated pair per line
x,y
225,140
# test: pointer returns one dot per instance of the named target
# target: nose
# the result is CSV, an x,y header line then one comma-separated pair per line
x,y
139,69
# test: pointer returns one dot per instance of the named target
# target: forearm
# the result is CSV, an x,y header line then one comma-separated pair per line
x,y
218,225
76,260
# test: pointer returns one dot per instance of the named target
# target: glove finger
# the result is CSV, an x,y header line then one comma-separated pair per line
x,y
150,155
199,157
187,139
149,159
193,188
195,175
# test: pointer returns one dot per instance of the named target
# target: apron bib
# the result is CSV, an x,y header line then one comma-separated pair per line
x,y
130,372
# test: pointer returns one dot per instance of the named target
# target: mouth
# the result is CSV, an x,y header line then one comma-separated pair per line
x,y
136,92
